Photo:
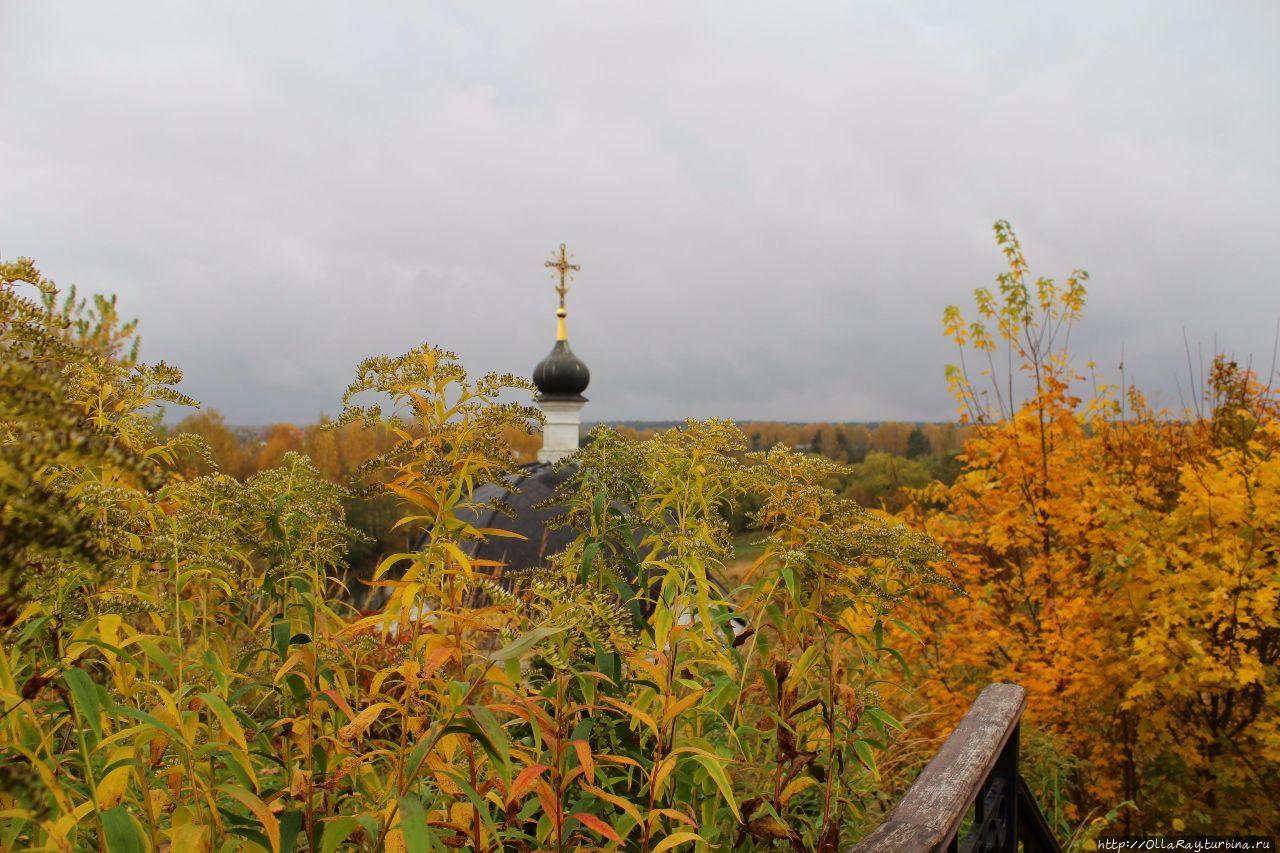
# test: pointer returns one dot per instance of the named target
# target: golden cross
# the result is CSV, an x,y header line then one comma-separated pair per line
x,y
562,266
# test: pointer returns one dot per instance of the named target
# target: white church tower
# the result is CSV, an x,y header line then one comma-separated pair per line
x,y
561,378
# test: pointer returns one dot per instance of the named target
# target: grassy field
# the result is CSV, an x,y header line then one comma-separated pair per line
x,y
747,549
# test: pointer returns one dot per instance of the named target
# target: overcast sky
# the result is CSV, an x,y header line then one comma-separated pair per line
x,y
771,203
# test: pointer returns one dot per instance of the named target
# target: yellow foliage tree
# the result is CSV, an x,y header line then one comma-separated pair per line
x,y
1119,564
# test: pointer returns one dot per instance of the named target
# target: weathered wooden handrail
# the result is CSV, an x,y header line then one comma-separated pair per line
x,y
978,766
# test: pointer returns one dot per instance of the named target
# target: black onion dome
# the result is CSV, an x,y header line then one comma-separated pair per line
x,y
561,375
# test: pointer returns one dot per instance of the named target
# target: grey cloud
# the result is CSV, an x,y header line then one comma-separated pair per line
x,y
772,203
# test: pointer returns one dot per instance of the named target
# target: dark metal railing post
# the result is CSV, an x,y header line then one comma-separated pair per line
x,y
995,809
1006,770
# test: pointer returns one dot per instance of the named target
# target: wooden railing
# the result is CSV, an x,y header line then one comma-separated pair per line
x,y
977,766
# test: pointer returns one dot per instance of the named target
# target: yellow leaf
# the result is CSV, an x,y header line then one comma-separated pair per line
x,y
621,802
456,552
292,661
259,809
797,785
111,787
676,839
675,709
362,721
227,718
109,628
769,827
662,771
32,609
497,531
62,827
189,837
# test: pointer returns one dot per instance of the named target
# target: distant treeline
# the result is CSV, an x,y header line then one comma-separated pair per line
x,y
844,442
884,459
242,451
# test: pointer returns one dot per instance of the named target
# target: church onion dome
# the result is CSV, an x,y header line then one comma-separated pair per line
x,y
561,375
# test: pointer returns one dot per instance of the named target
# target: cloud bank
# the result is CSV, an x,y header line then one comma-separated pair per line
x,y
772,203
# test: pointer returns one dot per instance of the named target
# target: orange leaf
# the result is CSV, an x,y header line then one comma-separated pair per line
x,y
525,781
597,825
435,658
341,702
621,802
584,758
549,803
633,711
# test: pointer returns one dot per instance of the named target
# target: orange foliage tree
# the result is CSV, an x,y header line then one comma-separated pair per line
x,y
225,450
1118,563
280,439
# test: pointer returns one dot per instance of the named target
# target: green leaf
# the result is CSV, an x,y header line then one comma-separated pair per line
x,y
716,771
228,720
280,637
807,658
413,826
528,641
902,661
597,508
290,828
588,560
270,824
144,717
863,749
498,746
157,656
887,719
481,804
337,831
84,695
115,650
789,577
904,626
120,832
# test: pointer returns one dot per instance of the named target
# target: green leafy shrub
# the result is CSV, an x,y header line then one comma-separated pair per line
x,y
181,670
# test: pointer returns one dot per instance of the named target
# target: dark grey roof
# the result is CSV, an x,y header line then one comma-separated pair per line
x,y
530,521
538,543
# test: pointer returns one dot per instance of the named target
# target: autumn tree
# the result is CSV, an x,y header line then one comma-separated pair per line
x,y
227,452
891,437
280,439
883,481
321,445
1199,501
1117,563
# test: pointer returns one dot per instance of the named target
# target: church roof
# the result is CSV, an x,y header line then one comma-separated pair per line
x,y
530,521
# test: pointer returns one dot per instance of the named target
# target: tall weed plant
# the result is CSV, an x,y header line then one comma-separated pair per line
x,y
180,670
